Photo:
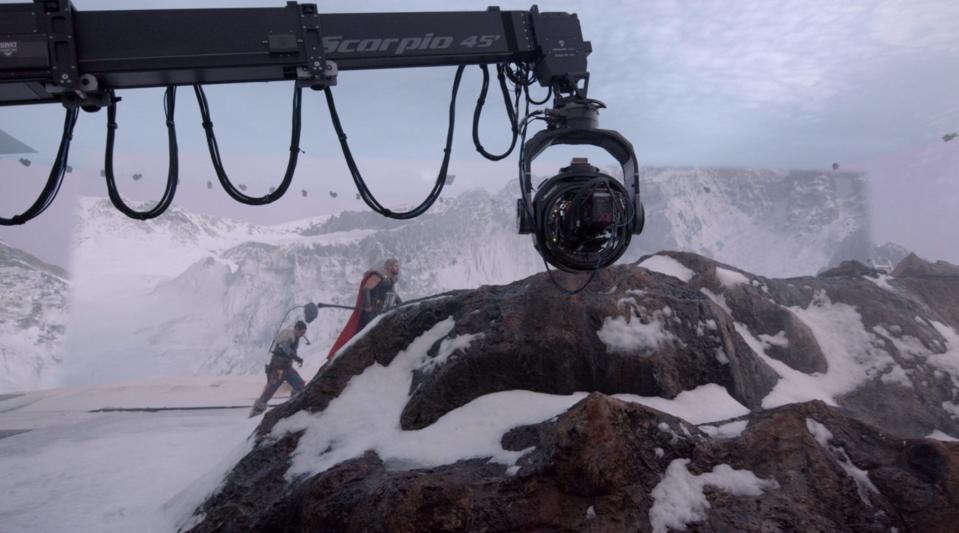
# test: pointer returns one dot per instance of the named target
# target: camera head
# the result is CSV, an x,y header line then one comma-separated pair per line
x,y
581,219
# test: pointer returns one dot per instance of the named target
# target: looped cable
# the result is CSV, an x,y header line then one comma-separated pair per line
x,y
235,193
169,106
549,94
512,110
55,178
364,191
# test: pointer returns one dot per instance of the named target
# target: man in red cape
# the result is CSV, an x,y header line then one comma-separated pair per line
x,y
375,294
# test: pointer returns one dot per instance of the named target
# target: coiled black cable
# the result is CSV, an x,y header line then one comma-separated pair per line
x,y
235,193
529,98
169,106
520,74
512,110
364,191
55,179
526,180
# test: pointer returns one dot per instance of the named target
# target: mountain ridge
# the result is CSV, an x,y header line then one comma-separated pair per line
x,y
126,299
33,316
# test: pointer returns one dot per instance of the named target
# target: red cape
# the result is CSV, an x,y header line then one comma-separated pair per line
x,y
353,324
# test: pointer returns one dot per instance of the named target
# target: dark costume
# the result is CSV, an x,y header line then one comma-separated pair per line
x,y
281,369
381,297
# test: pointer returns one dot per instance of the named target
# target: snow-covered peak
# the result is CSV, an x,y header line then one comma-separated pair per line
x,y
211,305
33,314
771,222
14,257
195,293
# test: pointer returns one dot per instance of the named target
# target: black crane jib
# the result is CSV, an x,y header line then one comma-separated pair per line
x,y
51,52
581,219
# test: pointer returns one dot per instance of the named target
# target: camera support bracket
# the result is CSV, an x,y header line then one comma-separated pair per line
x,y
574,121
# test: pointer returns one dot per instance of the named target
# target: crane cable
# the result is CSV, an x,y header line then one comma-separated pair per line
x,y
54,180
521,77
169,106
221,175
364,191
512,110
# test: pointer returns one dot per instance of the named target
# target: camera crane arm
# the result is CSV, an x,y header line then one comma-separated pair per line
x,y
50,52
582,219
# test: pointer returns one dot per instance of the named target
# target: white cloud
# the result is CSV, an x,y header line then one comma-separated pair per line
x,y
928,24
754,55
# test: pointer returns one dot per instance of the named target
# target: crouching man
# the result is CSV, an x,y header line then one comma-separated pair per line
x,y
280,368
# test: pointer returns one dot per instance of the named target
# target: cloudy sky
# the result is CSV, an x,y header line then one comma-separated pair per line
x,y
792,84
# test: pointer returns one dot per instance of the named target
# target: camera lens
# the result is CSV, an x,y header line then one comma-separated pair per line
x,y
583,218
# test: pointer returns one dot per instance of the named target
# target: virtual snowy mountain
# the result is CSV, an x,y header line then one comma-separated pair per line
x,y
777,223
228,284
33,315
196,294
887,256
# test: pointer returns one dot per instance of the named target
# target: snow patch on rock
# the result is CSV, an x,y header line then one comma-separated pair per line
x,y
824,437
730,278
679,498
669,266
727,430
853,354
630,334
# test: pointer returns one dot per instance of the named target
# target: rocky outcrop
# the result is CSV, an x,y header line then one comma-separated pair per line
x,y
936,285
677,392
914,266
892,338
849,268
608,465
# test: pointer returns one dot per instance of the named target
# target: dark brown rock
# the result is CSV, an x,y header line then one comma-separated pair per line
x,y
602,454
915,267
935,284
896,314
535,338
596,466
849,268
